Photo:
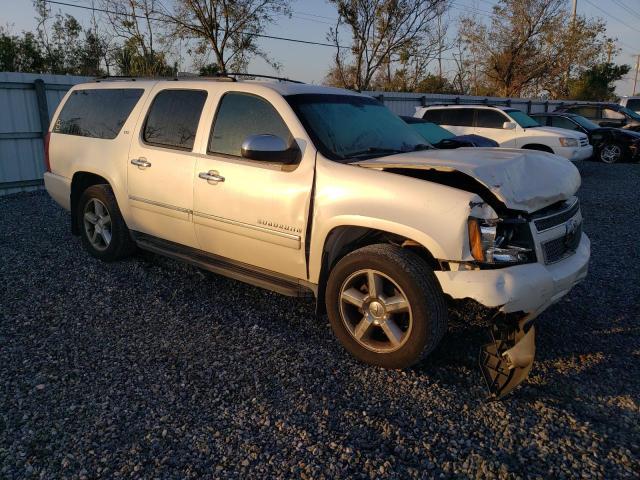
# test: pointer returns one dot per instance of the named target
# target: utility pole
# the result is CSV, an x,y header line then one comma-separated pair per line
x,y
574,11
635,80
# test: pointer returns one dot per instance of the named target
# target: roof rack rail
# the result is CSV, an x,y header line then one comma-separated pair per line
x,y
271,77
115,78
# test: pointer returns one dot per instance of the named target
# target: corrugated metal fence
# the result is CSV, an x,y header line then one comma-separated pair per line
x,y
406,103
27,102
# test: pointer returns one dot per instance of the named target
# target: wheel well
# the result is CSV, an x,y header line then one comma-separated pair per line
x,y
79,183
345,239
539,147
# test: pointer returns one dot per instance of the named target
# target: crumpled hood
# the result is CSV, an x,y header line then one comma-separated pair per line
x,y
525,180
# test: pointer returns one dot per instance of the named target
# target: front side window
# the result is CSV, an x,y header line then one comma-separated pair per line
x,y
630,113
562,122
97,113
348,127
633,104
173,118
612,114
522,119
241,115
486,118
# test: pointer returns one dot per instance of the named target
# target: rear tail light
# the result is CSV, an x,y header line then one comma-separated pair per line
x,y
47,164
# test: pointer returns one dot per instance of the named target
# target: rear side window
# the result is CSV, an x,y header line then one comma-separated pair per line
x,y
458,117
489,119
633,103
562,122
241,115
589,112
433,116
173,118
97,113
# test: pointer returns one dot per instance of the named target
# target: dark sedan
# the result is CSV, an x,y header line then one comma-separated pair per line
x,y
610,145
442,138
605,114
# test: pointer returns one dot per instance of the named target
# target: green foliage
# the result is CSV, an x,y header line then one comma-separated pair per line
x,y
20,53
596,83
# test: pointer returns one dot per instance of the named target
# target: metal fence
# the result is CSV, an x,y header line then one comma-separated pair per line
x,y
406,103
27,102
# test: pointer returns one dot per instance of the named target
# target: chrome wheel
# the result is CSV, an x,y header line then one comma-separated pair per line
x,y
375,311
97,224
611,153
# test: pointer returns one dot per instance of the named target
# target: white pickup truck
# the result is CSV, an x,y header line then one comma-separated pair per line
x,y
509,127
308,190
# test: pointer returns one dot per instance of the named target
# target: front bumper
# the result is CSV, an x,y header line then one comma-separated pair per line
x,y
529,288
574,153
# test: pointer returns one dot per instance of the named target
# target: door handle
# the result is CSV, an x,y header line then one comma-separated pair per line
x,y
211,175
141,162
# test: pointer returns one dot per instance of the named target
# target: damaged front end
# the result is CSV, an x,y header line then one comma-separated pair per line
x,y
506,361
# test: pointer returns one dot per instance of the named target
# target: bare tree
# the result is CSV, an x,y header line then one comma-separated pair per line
x,y
227,27
530,45
144,48
383,32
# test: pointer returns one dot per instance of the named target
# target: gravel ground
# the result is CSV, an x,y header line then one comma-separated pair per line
x,y
149,368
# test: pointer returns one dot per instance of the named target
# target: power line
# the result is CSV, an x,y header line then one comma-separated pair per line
x,y
622,22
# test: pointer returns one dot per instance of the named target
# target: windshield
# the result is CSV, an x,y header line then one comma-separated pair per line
x,y
522,119
631,113
349,127
431,132
584,122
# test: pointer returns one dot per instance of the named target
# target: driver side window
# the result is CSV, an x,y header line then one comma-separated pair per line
x,y
241,115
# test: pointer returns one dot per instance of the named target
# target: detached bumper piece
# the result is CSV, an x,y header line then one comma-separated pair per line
x,y
507,360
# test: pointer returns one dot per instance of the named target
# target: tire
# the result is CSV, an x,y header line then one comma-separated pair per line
x,y
400,273
611,152
105,236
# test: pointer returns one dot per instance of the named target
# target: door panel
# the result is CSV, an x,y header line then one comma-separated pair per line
x,y
161,166
257,214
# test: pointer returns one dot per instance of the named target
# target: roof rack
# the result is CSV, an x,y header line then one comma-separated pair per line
x,y
271,77
466,104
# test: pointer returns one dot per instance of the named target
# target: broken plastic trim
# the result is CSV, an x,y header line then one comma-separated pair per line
x,y
506,361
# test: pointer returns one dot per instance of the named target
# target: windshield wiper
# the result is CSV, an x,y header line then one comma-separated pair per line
x,y
372,151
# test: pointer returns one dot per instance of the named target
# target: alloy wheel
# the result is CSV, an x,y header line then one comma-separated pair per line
x,y
97,224
375,311
611,153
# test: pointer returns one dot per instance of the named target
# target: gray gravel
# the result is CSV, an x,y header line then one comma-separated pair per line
x,y
149,368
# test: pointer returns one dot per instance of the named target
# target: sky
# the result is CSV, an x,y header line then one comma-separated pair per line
x,y
311,20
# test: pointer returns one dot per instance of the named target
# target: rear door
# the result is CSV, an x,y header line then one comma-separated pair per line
x,y
161,165
488,123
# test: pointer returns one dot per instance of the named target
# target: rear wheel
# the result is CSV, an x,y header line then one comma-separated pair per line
x,y
103,231
385,306
611,153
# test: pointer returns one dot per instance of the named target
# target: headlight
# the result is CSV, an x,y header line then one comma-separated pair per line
x,y
499,241
568,142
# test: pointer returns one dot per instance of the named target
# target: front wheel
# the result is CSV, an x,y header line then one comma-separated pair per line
x,y
611,153
386,306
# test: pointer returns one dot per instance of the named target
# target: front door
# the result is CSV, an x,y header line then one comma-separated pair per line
x,y
161,166
250,211
488,123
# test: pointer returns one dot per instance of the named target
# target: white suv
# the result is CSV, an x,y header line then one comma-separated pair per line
x,y
308,190
509,127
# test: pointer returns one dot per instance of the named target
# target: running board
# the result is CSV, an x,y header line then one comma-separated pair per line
x,y
256,276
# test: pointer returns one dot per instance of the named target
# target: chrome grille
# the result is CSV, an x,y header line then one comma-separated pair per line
x,y
550,221
584,142
561,247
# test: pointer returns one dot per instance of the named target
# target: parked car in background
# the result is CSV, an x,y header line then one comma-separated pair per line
x,y
631,102
605,115
442,138
322,192
610,145
509,127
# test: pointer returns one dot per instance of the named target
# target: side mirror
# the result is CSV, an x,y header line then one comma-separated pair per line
x,y
269,148
509,125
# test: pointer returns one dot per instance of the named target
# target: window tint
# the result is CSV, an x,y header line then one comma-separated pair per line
x,y
541,119
633,103
433,116
173,118
589,112
241,115
459,117
431,132
562,122
608,113
489,118
97,113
